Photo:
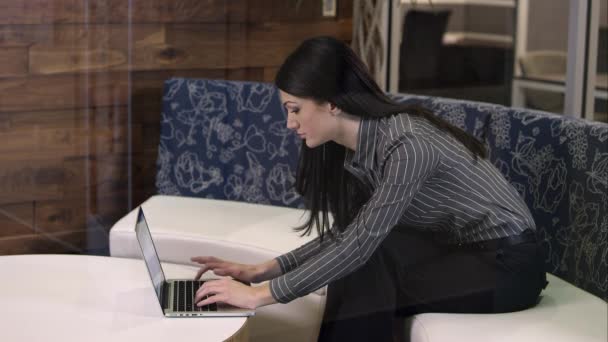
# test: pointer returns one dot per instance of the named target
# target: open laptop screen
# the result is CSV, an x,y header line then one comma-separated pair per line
x,y
149,252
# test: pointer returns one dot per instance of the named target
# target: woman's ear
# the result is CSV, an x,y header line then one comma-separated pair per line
x,y
333,109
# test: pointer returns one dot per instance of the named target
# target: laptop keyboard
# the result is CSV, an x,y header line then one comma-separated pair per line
x,y
183,296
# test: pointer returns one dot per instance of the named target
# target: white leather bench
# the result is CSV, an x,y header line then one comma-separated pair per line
x,y
565,314
249,233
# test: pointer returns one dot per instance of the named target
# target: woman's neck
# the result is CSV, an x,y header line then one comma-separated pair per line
x,y
347,133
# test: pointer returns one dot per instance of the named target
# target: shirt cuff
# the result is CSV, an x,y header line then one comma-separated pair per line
x,y
280,291
287,262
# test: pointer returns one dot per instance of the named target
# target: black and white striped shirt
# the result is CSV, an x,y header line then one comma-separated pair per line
x,y
419,177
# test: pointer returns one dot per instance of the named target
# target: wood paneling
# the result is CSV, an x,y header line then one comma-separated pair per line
x,y
256,45
74,117
245,74
36,120
144,165
163,11
121,11
64,91
270,73
288,11
278,31
25,181
98,89
68,133
108,48
80,99
72,178
61,215
65,242
13,61
152,134
5,122
194,46
72,242
16,219
71,215
66,141
25,35
96,175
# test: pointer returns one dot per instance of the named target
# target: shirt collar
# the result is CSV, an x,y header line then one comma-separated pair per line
x,y
365,155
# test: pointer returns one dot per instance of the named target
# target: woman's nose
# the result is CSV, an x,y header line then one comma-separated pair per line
x,y
292,124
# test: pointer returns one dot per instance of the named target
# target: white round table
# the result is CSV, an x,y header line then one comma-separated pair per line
x,y
90,298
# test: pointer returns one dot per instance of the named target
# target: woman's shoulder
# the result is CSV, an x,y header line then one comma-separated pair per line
x,y
403,131
403,126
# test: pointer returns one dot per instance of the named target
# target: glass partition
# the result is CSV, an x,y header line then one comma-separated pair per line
x,y
455,49
80,99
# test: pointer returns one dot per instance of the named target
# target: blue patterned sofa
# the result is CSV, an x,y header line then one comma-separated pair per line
x,y
226,140
223,140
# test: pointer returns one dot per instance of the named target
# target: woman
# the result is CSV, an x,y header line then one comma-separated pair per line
x,y
422,221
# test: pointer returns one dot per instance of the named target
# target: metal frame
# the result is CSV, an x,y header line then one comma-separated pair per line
x,y
592,45
396,29
575,73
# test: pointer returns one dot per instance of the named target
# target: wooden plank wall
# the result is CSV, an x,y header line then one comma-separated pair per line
x,y
71,70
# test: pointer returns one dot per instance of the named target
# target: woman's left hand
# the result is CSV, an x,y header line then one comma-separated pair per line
x,y
232,292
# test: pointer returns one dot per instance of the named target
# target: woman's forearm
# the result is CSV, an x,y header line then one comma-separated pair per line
x,y
268,270
263,296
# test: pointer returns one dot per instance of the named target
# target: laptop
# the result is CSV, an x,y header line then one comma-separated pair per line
x,y
176,296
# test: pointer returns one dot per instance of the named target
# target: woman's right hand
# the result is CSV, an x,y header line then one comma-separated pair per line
x,y
242,272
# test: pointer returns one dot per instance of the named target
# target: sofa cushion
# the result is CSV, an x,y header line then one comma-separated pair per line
x,y
564,314
242,232
226,140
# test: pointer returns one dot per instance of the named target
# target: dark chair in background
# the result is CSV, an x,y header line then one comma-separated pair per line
x,y
420,48
465,70
602,51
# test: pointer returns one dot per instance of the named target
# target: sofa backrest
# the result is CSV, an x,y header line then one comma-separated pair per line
x,y
560,166
227,140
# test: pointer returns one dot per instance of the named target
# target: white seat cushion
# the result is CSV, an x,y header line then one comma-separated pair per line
x,y
565,314
263,228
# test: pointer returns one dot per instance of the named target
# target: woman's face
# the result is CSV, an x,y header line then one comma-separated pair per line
x,y
312,122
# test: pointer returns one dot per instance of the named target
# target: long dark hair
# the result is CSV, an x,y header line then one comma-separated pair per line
x,y
325,69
